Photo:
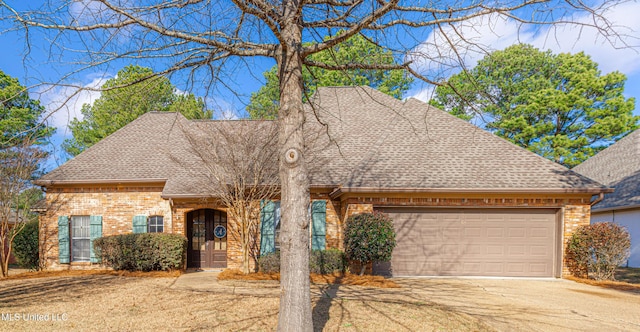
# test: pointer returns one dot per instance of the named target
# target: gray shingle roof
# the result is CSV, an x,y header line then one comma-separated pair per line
x,y
617,166
362,140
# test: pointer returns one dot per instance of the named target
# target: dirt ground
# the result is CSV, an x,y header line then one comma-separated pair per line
x,y
114,303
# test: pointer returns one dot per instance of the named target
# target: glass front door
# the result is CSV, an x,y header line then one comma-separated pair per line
x,y
207,234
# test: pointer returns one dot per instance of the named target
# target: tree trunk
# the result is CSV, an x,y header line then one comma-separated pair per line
x,y
295,298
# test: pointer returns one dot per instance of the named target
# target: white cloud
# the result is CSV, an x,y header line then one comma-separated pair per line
x,y
473,39
63,103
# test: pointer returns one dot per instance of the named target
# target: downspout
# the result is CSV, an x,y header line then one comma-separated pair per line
x,y
597,200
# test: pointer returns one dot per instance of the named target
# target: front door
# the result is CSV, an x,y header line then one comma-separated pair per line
x,y
207,234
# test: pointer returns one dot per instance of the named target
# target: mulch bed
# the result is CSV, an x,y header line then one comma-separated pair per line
x,y
336,278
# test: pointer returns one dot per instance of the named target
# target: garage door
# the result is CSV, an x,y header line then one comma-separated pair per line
x,y
471,242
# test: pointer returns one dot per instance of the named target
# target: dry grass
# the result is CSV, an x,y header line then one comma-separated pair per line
x,y
106,302
628,274
336,278
617,285
73,273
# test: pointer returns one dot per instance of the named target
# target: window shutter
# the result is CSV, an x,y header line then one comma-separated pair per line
x,y
267,227
139,224
95,231
63,240
319,225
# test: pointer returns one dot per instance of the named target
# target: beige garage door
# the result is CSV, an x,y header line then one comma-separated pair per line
x,y
471,242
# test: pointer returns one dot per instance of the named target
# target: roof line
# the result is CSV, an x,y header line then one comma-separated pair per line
x,y
343,190
46,183
616,208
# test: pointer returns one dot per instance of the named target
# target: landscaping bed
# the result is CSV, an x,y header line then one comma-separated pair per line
x,y
335,278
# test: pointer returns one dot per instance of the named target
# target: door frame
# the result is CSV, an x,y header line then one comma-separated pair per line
x,y
212,257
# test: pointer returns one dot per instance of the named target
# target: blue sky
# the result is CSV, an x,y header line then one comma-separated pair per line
x,y
40,63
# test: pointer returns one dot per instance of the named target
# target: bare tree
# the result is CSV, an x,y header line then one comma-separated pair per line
x,y
18,164
237,163
208,40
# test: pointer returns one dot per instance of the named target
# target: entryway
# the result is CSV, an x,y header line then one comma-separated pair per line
x,y
207,235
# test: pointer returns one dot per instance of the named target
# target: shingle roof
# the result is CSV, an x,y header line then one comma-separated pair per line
x,y
617,166
358,139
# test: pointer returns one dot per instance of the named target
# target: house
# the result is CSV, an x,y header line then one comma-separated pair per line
x,y
464,202
618,166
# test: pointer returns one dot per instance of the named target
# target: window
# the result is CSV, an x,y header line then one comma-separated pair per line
x,y
80,239
156,224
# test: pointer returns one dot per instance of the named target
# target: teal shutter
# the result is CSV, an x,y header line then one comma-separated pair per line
x,y
95,231
319,225
63,240
267,227
139,224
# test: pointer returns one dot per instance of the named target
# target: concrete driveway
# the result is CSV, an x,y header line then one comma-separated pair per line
x,y
532,305
501,304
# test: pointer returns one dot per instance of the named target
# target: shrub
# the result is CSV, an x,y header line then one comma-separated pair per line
x,y
269,263
596,250
142,252
326,261
320,261
25,246
369,237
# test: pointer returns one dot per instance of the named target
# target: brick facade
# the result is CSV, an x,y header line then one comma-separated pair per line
x,y
117,205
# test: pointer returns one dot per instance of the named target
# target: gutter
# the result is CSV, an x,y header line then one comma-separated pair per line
x,y
339,191
48,183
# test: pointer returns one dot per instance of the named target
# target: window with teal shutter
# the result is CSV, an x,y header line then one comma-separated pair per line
x,y
318,225
95,231
267,227
63,240
139,224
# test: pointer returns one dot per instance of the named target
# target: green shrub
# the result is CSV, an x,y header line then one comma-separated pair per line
x,y
326,261
596,250
269,263
369,237
142,252
25,246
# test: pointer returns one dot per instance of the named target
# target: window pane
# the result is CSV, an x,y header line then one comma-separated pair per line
x,y
156,224
80,238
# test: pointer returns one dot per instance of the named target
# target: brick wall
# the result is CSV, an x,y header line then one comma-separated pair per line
x,y
573,217
117,206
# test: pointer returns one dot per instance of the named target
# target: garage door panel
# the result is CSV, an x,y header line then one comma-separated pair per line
x,y
474,242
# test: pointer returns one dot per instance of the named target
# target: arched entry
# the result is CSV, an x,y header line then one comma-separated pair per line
x,y
207,234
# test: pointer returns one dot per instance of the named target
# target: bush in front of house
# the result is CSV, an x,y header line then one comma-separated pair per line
x,y
25,246
326,261
269,263
142,252
320,261
596,250
369,237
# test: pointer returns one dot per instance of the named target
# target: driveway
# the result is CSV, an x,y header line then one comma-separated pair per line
x,y
533,305
500,304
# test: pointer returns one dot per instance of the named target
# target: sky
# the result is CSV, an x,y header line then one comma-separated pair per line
x,y
491,32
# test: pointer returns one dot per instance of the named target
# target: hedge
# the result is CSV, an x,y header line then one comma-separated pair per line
x,y
142,252
369,237
25,246
320,261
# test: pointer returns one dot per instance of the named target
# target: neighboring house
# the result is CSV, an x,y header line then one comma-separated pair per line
x,y
618,166
464,202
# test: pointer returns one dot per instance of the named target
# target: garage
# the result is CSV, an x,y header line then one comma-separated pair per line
x,y
474,242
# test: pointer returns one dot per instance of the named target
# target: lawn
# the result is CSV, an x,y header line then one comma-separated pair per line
x,y
628,274
116,303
